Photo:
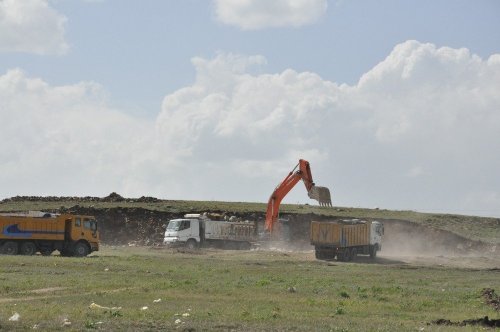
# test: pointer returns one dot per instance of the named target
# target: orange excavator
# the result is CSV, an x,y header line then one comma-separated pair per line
x,y
321,194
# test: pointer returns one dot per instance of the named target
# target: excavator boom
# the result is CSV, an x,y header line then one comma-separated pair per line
x,y
321,194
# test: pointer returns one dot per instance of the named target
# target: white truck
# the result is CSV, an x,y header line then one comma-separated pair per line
x,y
195,230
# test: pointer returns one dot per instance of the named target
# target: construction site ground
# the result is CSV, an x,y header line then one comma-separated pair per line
x,y
428,277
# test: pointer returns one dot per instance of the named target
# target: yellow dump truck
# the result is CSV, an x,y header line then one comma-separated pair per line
x,y
345,239
29,233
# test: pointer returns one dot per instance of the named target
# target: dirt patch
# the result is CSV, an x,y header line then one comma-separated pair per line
x,y
485,321
47,290
491,298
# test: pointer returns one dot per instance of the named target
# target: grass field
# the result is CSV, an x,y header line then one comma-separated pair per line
x,y
216,290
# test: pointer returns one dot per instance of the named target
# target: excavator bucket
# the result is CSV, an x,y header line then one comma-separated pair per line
x,y
321,194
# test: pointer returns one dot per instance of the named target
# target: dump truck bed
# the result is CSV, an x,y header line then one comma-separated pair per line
x,y
340,234
14,227
235,231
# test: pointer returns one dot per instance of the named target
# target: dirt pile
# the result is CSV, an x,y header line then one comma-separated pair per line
x,y
485,321
403,238
119,226
113,197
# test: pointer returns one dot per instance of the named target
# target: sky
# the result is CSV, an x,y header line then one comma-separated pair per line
x,y
395,104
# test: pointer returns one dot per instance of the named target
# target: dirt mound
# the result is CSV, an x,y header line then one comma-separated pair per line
x,y
485,321
113,197
128,225
403,238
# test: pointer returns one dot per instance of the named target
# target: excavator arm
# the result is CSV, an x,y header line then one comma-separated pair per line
x,y
321,194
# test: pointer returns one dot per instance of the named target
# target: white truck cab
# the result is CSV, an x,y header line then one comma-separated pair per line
x,y
376,232
185,231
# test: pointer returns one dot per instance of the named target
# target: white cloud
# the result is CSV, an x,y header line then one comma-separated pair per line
x,y
63,139
260,14
31,26
421,130
437,108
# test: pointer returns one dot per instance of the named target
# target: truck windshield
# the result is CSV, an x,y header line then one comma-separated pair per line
x,y
90,224
174,225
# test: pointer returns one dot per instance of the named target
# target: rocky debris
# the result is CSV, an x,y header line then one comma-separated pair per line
x,y
147,199
491,298
122,226
485,321
113,197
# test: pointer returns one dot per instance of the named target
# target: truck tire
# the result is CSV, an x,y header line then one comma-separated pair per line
x,y
46,251
66,252
191,244
81,250
354,254
345,255
318,254
245,245
28,248
373,251
10,248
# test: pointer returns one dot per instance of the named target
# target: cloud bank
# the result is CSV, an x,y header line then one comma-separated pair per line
x,y
420,130
31,26
261,14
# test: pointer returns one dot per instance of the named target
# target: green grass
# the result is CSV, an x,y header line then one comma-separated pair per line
x,y
470,227
234,290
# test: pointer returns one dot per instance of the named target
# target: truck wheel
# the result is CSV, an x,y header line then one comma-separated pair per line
x,y
10,248
354,254
244,246
81,250
28,248
46,252
191,244
373,251
318,254
66,252
344,256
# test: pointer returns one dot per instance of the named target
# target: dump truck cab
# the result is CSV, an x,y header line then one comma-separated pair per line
x,y
185,231
81,231
376,232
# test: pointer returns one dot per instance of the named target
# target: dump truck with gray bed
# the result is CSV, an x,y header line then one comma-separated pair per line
x,y
345,239
195,230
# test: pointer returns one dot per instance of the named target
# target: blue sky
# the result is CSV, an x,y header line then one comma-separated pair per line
x,y
188,99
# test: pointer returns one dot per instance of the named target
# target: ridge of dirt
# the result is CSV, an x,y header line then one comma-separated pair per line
x,y
485,321
112,197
